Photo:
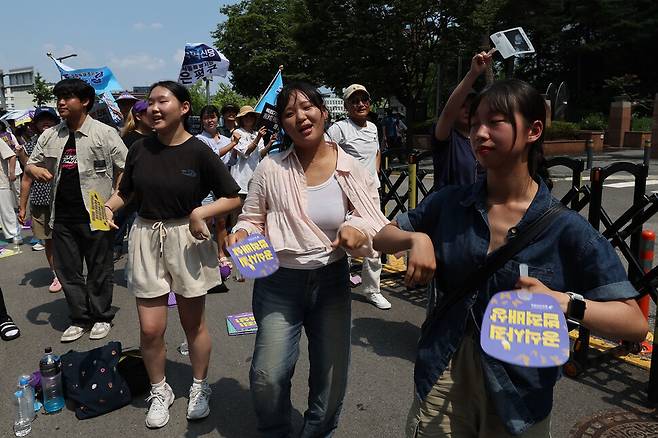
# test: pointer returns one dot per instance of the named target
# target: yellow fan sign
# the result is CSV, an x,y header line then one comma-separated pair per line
x,y
97,212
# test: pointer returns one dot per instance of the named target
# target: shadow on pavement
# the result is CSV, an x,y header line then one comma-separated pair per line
x,y
618,385
40,277
231,409
386,338
54,313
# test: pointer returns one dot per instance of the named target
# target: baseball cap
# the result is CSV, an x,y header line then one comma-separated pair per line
x,y
347,92
140,106
229,107
45,111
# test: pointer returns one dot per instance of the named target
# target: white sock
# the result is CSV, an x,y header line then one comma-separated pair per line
x,y
198,382
160,384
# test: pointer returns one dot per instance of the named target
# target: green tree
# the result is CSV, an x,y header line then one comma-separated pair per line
x,y
257,37
225,95
42,92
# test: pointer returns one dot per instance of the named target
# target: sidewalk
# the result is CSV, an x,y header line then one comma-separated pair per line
x,y
380,384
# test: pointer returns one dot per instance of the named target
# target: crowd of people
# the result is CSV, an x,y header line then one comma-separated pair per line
x,y
183,199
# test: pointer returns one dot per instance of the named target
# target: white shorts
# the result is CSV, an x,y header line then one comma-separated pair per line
x,y
164,256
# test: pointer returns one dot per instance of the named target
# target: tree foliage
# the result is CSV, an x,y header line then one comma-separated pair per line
x,y
224,95
257,37
42,92
398,47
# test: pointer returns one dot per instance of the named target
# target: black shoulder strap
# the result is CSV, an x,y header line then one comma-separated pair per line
x,y
502,255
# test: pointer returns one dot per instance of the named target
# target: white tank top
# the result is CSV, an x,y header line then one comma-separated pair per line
x,y
327,206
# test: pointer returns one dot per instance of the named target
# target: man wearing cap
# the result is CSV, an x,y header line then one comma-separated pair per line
x,y
126,102
358,137
84,159
39,193
452,155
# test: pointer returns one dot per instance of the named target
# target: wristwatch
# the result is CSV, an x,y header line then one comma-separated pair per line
x,y
576,307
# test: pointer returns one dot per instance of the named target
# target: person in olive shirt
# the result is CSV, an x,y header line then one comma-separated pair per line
x,y
81,156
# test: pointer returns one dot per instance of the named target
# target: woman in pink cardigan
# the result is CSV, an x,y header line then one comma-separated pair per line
x,y
315,203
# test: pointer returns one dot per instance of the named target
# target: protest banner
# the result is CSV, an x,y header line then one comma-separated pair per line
x,y
266,106
525,329
254,257
512,42
101,78
201,62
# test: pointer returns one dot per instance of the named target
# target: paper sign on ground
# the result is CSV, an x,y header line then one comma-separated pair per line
x,y
254,257
97,212
512,42
241,324
526,329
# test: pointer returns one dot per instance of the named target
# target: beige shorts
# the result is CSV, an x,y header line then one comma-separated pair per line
x,y
40,220
164,256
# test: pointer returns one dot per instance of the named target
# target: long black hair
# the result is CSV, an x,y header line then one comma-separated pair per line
x,y
508,97
289,90
181,93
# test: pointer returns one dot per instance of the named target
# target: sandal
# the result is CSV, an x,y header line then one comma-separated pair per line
x,y
9,330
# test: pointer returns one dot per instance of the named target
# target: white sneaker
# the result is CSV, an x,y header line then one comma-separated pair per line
x,y
73,332
38,247
100,330
379,301
161,398
197,407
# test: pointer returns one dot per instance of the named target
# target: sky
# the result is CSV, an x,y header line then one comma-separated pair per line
x,y
140,41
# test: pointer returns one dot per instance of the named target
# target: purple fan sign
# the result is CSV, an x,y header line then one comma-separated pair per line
x,y
254,257
525,329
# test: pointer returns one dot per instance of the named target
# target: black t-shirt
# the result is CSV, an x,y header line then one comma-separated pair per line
x,y
170,181
131,138
69,206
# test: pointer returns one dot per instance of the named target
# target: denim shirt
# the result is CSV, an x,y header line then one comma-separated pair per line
x,y
101,155
569,255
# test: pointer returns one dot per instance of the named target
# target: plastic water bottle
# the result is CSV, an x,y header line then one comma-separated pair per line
x,y
184,349
51,381
28,392
24,413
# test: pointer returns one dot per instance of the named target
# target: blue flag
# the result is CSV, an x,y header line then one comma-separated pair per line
x,y
102,78
271,93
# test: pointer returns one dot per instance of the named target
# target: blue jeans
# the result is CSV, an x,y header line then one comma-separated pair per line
x,y
283,303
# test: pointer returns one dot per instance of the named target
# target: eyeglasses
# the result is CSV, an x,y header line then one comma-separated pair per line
x,y
357,100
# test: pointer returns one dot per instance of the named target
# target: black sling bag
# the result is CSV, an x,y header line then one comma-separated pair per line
x,y
494,262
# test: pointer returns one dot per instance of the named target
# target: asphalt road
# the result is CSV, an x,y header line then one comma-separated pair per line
x,y
380,383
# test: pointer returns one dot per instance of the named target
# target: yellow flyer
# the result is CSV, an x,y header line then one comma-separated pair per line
x,y
97,212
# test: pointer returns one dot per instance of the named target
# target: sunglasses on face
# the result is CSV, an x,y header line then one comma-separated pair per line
x,y
357,100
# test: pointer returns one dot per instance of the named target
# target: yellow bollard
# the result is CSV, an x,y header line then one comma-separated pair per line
x,y
413,189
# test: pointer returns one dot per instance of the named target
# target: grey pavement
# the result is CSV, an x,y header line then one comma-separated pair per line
x,y
380,383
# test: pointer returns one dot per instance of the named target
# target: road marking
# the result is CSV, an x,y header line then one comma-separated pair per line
x,y
622,185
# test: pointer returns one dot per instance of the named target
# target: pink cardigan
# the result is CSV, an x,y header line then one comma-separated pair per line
x,y
276,204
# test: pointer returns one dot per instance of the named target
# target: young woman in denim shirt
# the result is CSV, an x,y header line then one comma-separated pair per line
x,y
461,391
314,202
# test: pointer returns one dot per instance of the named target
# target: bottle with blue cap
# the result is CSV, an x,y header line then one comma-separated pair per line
x,y
24,413
28,392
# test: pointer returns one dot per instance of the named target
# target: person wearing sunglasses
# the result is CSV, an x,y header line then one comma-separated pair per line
x,y
357,136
